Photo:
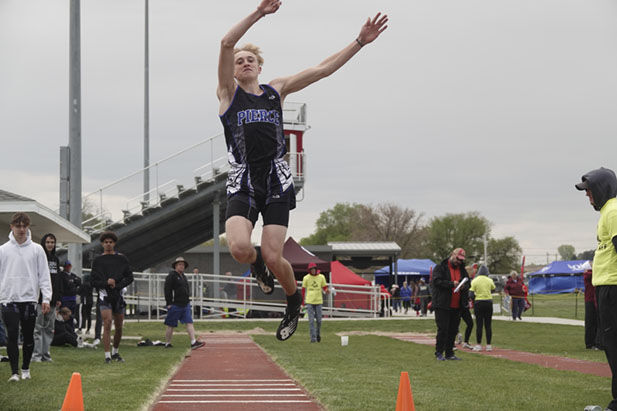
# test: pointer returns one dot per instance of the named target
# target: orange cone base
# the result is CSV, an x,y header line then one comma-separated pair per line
x,y
404,400
74,400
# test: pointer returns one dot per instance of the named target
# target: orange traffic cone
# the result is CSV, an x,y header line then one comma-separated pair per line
x,y
404,401
74,400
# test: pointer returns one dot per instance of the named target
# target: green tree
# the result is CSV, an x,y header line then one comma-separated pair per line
x,y
566,251
465,230
504,254
586,255
334,224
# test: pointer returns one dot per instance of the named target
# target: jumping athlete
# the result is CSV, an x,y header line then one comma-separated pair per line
x,y
260,180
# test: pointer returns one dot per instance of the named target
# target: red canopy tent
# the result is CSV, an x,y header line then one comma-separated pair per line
x,y
299,258
345,298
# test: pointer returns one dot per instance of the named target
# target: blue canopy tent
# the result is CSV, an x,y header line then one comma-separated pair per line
x,y
413,269
558,277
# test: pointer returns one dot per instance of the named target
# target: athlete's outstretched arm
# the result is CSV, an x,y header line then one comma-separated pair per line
x,y
369,32
227,85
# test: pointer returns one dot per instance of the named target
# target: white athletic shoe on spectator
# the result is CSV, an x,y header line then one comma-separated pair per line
x,y
96,342
25,374
467,345
489,348
477,348
14,377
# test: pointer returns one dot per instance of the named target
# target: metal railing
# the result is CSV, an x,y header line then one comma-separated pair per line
x,y
217,296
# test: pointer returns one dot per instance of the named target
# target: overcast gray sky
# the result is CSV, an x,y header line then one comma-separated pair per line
x,y
495,106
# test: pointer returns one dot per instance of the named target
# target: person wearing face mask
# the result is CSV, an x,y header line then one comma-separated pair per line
x,y
600,187
450,286
260,180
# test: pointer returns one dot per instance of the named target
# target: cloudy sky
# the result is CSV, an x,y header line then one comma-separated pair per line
x,y
495,106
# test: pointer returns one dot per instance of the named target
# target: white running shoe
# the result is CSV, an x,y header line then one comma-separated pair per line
x,y
477,348
467,345
489,347
14,377
25,374
96,342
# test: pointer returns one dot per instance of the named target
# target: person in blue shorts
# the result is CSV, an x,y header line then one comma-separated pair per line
x,y
260,180
177,297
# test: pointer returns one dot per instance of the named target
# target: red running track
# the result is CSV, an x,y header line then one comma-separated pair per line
x,y
232,373
548,361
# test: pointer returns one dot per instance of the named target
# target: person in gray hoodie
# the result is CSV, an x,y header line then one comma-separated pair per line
x,y
44,328
600,186
24,274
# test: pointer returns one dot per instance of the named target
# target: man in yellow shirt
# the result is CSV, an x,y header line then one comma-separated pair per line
x,y
312,285
601,187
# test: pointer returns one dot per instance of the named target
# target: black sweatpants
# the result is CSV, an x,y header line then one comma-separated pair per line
x,y
606,295
466,316
447,320
14,315
483,309
592,333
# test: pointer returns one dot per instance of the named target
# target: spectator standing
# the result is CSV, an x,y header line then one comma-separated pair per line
x,y
425,294
110,274
85,293
482,287
177,297
312,286
406,296
600,186
448,301
44,327
592,331
395,291
70,289
515,289
24,276
415,297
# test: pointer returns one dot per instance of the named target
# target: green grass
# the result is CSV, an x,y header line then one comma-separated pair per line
x,y
363,375
557,305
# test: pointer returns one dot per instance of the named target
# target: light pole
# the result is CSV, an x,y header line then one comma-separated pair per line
x,y
146,109
75,130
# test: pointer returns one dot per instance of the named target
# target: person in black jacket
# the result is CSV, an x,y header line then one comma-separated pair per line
x,y
85,292
448,301
64,332
177,297
110,274
44,327
70,287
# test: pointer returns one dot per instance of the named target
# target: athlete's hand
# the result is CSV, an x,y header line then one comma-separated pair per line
x,y
45,308
268,6
373,28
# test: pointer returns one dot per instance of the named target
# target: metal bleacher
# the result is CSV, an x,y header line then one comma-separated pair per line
x,y
179,212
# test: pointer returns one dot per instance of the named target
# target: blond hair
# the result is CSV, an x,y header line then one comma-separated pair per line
x,y
251,48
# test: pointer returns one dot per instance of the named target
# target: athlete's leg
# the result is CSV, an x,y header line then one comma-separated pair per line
x,y
118,322
238,230
272,241
106,319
